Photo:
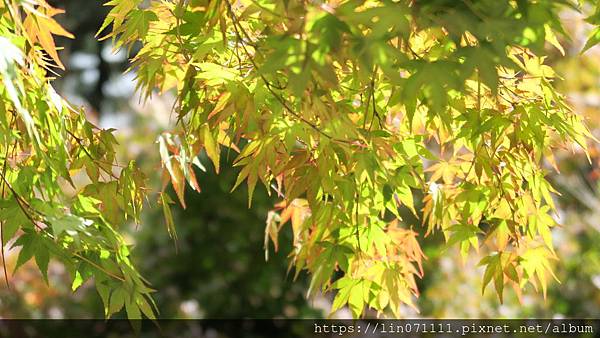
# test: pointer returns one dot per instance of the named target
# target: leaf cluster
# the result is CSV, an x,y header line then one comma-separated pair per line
x,y
63,195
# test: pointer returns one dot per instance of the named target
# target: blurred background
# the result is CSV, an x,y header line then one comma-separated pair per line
x,y
217,267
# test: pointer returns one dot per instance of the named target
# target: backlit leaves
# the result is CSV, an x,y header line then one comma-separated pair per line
x,y
364,115
40,26
62,194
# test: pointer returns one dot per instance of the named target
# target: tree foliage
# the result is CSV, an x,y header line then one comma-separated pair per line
x,y
63,195
357,114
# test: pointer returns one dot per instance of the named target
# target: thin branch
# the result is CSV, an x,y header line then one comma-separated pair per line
x,y
22,203
4,169
87,153
375,113
98,267
237,28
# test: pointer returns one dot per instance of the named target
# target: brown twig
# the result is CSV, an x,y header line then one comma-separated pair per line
x,y
238,28
98,267
4,169
87,153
